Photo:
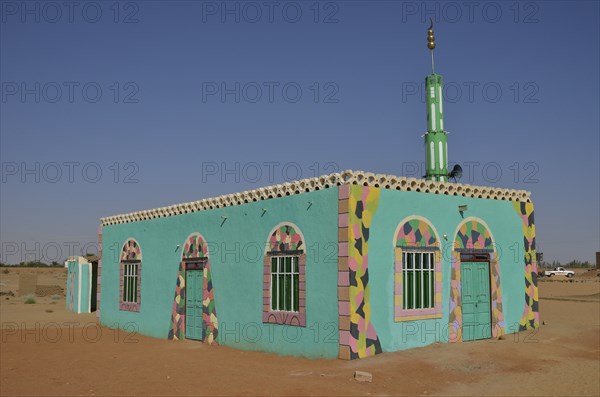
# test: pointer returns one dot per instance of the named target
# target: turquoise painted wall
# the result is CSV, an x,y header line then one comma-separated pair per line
x,y
442,211
236,249
80,302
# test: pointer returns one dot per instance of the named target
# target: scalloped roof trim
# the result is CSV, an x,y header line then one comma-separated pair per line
x,y
347,177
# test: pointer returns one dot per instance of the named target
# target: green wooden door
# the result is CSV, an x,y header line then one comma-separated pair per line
x,y
194,283
476,304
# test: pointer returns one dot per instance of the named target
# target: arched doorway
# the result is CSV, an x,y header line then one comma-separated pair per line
x,y
475,292
194,313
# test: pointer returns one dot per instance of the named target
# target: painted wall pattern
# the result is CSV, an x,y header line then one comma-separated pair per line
x,y
531,316
177,330
285,239
498,323
473,236
363,203
131,251
343,274
195,247
211,323
99,275
416,233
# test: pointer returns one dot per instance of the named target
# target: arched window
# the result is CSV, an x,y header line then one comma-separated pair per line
x,y
418,271
284,284
130,276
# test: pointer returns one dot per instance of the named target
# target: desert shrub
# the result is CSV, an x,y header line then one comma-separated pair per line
x,y
29,299
5,271
55,297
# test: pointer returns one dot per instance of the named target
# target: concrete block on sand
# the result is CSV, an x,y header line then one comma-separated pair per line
x,y
362,376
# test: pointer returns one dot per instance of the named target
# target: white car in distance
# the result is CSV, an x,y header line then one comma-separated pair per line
x,y
559,271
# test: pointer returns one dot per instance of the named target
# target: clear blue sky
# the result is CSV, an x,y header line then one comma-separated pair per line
x,y
522,98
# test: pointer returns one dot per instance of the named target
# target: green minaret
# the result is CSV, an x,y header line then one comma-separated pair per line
x,y
436,139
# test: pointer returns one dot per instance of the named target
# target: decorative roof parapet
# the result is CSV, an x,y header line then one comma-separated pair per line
x,y
324,182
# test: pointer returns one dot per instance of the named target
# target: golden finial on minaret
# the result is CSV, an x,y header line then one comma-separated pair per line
x,y
431,43
430,36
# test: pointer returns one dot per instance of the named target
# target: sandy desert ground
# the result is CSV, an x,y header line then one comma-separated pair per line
x,y
46,350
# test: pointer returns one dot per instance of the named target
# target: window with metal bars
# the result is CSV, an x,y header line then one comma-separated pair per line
x,y
418,280
130,282
285,283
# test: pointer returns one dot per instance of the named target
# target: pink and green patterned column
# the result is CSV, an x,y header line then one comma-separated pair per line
x,y
531,316
360,339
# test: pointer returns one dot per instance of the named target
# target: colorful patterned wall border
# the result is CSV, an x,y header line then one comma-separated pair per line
x,y
99,275
362,205
498,323
285,238
473,235
195,247
177,329
209,311
531,315
343,274
131,252
348,177
416,233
